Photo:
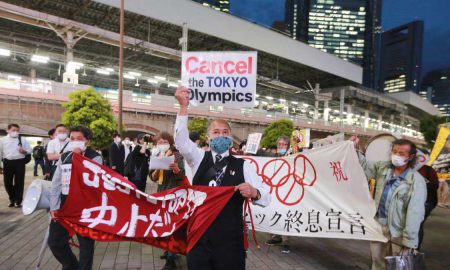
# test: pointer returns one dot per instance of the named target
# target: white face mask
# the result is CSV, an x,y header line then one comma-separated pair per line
x,y
127,142
62,136
163,147
77,144
398,161
14,134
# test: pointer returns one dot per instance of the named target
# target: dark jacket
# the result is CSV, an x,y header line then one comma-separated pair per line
x,y
170,179
47,162
139,164
432,181
38,152
117,156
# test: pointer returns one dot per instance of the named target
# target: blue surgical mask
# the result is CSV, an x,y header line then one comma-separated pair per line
x,y
281,151
220,144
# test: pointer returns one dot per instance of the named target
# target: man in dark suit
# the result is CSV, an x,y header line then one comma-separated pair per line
x,y
47,162
117,154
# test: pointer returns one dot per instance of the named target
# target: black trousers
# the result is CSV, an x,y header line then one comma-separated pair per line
x,y
14,177
39,162
58,242
224,256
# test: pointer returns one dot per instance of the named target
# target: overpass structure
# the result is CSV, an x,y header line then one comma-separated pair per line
x,y
85,33
37,106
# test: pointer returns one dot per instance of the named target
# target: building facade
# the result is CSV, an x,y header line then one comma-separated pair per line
x,y
436,88
401,58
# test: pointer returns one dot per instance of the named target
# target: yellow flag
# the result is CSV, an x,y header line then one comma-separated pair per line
x,y
441,140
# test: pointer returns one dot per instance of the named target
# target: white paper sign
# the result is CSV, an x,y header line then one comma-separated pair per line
x,y
253,141
321,193
220,78
161,163
66,171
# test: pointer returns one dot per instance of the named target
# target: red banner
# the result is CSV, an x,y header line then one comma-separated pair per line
x,y
105,206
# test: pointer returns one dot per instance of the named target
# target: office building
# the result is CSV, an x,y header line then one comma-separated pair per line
x,y
401,58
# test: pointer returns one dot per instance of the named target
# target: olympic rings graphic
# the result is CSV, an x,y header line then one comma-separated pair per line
x,y
286,182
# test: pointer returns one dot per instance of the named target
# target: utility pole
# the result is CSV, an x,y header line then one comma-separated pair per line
x,y
121,66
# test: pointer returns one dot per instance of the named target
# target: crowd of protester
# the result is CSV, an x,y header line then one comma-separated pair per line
x,y
130,157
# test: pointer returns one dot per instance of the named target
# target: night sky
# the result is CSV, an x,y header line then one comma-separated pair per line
x,y
434,13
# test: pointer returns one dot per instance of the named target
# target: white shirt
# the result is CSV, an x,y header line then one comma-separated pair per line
x,y
55,146
127,151
194,156
9,145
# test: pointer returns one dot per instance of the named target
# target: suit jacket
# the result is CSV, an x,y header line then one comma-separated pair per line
x,y
117,156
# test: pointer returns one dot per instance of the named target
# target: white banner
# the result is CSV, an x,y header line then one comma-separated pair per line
x,y
220,78
321,193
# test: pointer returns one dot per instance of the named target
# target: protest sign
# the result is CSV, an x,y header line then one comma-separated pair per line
x,y
253,141
105,206
321,193
220,78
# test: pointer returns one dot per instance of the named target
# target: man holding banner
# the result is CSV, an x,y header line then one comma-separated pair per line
x,y
400,198
58,240
222,245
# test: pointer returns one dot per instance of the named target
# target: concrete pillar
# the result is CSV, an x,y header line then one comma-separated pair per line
x,y
70,76
33,73
380,119
183,41
316,110
366,119
349,115
326,112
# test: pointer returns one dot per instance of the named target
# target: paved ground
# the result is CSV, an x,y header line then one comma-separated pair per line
x,y
21,238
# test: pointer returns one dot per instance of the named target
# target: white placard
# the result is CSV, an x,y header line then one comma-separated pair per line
x,y
220,78
161,163
66,171
253,141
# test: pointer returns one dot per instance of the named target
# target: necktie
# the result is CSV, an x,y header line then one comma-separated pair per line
x,y
218,158
219,174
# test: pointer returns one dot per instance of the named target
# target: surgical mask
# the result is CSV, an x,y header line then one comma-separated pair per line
x,y
220,144
77,144
127,142
398,161
163,147
62,136
281,151
14,134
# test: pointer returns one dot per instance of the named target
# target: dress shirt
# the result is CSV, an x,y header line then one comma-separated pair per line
x,y
194,156
9,145
55,146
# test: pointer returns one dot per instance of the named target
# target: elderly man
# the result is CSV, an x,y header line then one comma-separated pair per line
x,y
400,199
222,245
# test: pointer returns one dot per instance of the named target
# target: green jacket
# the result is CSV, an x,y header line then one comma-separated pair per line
x,y
407,207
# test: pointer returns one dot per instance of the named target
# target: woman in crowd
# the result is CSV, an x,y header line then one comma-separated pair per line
x,y
167,179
